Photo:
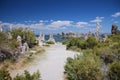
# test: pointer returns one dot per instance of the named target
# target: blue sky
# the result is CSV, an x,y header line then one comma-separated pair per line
x,y
60,15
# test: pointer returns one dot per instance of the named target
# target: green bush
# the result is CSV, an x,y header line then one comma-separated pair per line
x,y
91,42
28,76
114,71
75,48
86,67
13,44
5,75
115,38
3,39
107,54
26,35
79,43
80,68
50,42
65,42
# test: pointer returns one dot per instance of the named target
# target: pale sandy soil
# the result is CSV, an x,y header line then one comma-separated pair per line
x,y
50,64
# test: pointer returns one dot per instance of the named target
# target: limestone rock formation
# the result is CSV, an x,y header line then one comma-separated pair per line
x,y
41,39
1,28
25,48
22,47
104,38
114,29
19,40
9,36
97,30
51,38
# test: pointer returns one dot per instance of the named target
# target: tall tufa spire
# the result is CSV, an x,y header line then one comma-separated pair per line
x,y
51,38
10,27
97,27
1,28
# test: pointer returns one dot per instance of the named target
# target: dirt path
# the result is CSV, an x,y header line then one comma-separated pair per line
x,y
50,64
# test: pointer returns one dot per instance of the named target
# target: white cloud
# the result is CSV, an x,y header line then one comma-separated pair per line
x,y
11,25
41,21
7,24
117,14
98,19
81,24
92,25
54,25
20,25
38,26
63,28
58,24
29,21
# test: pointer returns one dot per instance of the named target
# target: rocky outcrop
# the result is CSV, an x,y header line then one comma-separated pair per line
x,y
51,38
114,29
1,28
41,39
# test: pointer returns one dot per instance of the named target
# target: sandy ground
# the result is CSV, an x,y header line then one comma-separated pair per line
x,y
50,64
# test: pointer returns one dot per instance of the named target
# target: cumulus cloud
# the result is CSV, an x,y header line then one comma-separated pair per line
x,y
11,25
81,24
63,28
58,24
53,25
38,26
97,19
22,25
117,14
41,21
42,26
8,25
29,21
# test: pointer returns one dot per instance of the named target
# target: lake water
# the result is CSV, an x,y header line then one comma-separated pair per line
x,y
56,37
